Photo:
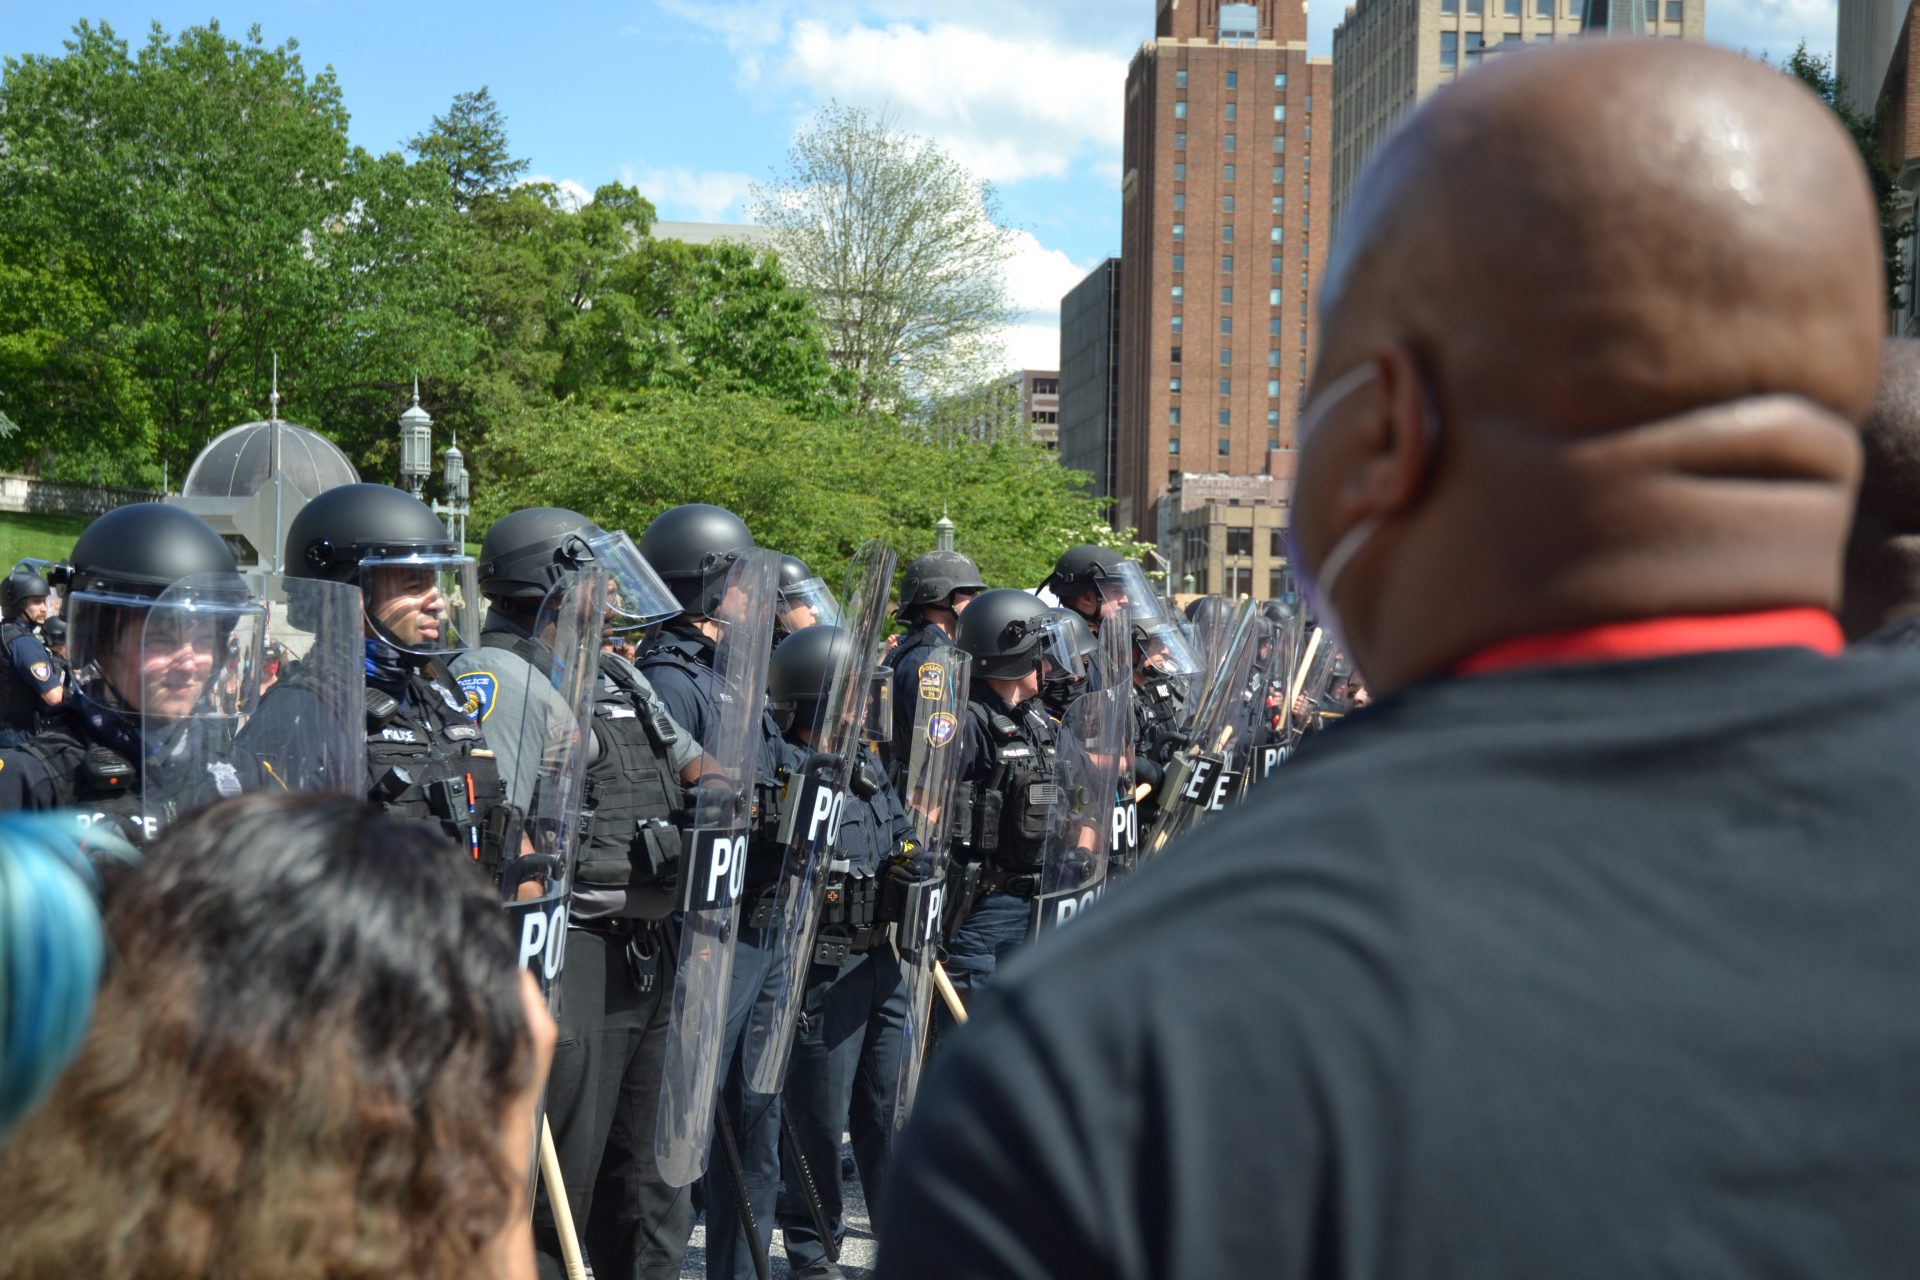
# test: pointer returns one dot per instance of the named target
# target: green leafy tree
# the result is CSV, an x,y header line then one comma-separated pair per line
x,y
814,485
1816,71
470,144
901,250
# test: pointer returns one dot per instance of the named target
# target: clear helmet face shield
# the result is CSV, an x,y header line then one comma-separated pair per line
x,y
635,595
809,603
426,604
1161,642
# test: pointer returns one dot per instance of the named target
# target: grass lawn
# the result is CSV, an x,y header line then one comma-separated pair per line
x,y
48,537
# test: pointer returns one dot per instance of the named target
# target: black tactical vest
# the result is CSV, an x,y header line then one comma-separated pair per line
x,y
90,777
1010,804
427,760
632,792
20,703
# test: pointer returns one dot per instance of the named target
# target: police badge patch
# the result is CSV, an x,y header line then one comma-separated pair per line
x,y
933,681
940,728
41,670
226,779
480,688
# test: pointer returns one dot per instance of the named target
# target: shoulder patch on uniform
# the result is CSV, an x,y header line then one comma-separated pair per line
x,y
480,688
940,728
226,779
41,670
933,681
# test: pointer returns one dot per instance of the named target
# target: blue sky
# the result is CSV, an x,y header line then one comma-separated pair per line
x,y
692,101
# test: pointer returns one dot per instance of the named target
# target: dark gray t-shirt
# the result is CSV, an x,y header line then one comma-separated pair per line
x,y
1595,974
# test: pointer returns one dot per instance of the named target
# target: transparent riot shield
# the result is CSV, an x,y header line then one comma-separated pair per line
x,y
916,889
1089,760
1213,619
714,869
191,668
540,728
1311,669
1202,779
812,807
309,731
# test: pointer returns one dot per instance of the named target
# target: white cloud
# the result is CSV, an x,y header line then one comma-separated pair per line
x,y
1773,27
762,24
693,195
1032,346
1037,278
1006,108
573,195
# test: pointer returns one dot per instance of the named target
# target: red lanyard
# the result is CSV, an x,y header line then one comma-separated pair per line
x,y
1662,638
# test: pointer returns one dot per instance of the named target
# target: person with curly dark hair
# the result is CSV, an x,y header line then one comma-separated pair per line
x,y
312,1058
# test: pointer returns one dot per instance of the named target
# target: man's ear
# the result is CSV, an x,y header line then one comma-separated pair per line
x,y
1396,436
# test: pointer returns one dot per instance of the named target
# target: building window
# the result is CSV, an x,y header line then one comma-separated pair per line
x,y
1273,387
1279,111
1510,40
1179,262
1303,308
1226,417
1277,548
1306,133
1653,10
1273,420
1545,38
1178,290
1475,7
1173,446
1473,48
1175,357
1449,6
1226,293
1279,205
1675,10
1226,386
1227,142
1176,324
1226,263
1233,111
1543,8
1277,235
1575,7
1179,201
1279,144
1179,142
1273,265
1179,231
1273,326
1233,79
1279,174
1226,233
1309,104
1180,110
1180,79
1226,322
1239,542
1449,49
1273,297
1226,204
1279,79
1273,357
1512,8
1180,171
1226,444
1226,173
1173,385
1173,416
1226,355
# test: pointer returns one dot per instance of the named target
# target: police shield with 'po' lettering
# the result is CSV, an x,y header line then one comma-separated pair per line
x,y
1088,761
1204,778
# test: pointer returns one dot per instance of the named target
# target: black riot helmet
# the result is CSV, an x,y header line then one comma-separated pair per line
x,y
1081,569
54,631
805,599
1210,613
20,586
1080,639
389,544
142,549
934,577
801,672
1005,631
691,547
527,552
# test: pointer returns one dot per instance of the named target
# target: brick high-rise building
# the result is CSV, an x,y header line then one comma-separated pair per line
x,y
1223,227
1389,54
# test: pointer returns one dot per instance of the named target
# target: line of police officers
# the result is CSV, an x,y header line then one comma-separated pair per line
x,y
747,845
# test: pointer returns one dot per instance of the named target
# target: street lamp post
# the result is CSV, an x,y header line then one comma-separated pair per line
x,y
416,464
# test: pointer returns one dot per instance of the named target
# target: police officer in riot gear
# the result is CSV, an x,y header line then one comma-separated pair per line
x,y
30,679
603,1089
805,599
1059,686
1078,576
53,634
692,547
1007,745
426,757
933,593
92,751
844,1072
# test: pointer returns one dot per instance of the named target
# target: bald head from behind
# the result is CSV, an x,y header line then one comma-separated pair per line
x,y
1595,330
1883,553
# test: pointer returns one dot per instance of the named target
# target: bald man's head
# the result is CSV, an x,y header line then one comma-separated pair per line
x,y
1607,232
1594,333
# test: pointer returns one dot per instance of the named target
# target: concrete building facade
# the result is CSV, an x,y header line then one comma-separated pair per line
x,y
1225,535
1223,229
1390,54
1864,40
1090,376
